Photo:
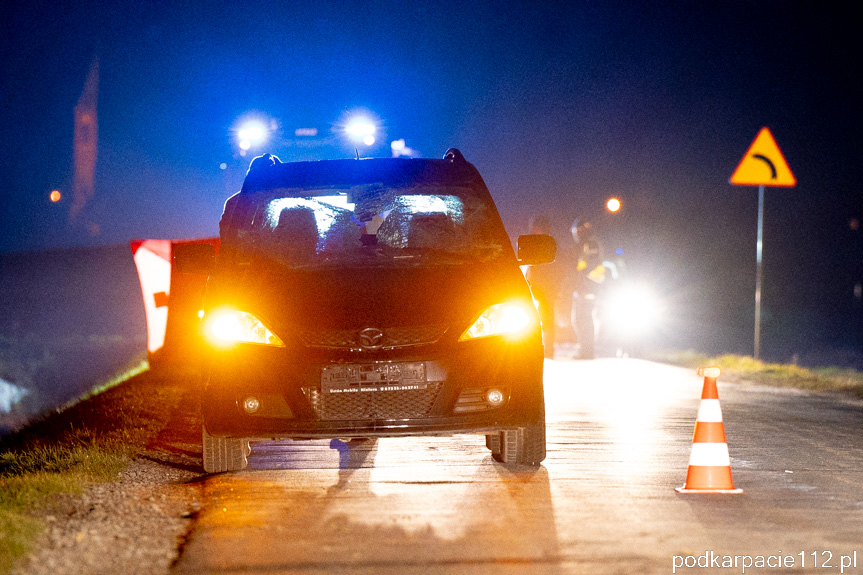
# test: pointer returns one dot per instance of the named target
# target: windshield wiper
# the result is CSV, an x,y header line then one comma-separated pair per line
x,y
434,254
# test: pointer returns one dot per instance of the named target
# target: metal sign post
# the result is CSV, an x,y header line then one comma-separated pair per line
x,y
762,165
759,244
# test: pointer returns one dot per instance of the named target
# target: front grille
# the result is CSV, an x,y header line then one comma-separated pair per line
x,y
393,337
407,404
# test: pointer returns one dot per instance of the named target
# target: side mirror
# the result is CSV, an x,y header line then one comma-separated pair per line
x,y
536,249
197,259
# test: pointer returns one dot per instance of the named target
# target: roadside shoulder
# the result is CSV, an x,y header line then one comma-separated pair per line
x,y
137,521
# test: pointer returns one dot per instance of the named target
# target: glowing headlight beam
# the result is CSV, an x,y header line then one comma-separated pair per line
x,y
634,309
509,319
227,327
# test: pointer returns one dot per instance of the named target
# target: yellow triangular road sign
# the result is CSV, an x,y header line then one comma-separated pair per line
x,y
763,164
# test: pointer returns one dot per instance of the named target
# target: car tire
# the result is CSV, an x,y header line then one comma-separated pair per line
x,y
492,441
224,453
522,446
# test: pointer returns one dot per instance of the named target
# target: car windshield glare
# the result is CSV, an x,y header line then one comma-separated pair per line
x,y
371,225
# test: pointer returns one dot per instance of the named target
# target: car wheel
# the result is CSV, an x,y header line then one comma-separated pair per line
x,y
522,446
224,453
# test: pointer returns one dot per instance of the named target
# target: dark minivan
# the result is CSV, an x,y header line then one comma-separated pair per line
x,y
369,298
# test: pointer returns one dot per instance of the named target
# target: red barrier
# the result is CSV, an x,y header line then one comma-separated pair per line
x,y
171,299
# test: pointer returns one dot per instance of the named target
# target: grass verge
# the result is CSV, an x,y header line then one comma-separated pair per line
x,y
85,443
745,369
30,478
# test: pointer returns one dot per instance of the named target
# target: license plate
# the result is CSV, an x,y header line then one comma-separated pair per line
x,y
373,377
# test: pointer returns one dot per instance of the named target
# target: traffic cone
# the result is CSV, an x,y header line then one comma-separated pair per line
x,y
709,463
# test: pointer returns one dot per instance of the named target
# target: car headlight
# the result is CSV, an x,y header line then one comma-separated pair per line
x,y
634,309
510,319
232,326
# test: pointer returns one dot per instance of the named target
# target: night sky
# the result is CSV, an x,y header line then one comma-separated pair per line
x,y
559,105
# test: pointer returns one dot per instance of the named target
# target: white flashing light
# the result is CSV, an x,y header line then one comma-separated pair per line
x,y
369,140
360,129
252,132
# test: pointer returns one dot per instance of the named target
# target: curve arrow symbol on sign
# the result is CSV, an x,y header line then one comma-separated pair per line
x,y
766,160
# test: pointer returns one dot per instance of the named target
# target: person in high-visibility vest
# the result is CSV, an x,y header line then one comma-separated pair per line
x,y
589,273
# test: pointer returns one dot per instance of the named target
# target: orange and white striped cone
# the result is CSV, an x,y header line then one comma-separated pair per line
x,y
709,462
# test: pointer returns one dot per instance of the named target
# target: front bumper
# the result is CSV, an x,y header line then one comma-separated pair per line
x,y
292,403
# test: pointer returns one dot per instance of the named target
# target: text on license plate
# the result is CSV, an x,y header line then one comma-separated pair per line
x,y
403,376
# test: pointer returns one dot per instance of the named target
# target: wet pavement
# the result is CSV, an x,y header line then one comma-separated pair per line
x,y
619,440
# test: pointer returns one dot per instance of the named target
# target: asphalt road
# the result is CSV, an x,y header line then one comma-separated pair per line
x,y
619,440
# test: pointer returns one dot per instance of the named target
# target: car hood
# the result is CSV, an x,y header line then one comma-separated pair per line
x,y
381,297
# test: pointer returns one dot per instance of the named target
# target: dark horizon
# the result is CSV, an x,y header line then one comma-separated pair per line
x,y
559,105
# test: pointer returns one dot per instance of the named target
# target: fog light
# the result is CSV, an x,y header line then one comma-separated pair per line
x,y
251,404
494,397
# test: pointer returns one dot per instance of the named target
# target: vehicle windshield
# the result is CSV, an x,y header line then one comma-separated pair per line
x,y
372,225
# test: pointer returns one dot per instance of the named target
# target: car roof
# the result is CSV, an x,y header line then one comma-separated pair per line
x,y
454,170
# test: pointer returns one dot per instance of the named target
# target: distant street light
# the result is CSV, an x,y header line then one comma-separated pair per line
x,y
55,196
613,205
